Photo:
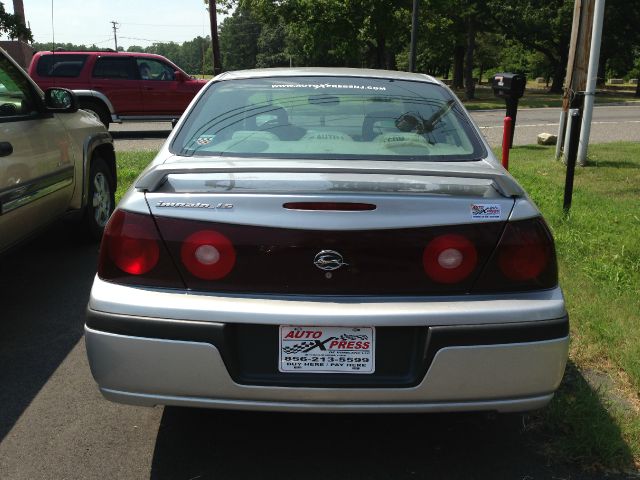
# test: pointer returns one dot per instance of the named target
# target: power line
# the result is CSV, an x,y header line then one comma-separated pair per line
x,y
160,25
147,40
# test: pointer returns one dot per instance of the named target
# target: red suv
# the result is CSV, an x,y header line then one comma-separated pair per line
x,y
118,86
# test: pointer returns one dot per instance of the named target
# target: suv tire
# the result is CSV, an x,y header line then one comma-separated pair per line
x,y
100,199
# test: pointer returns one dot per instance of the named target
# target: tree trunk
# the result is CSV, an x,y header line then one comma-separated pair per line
x,y
602,68
559,68
390,60
458,64
638,89
469,84
380,52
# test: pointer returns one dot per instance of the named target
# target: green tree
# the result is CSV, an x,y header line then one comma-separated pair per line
x,y
540,25
620,38
13,26
239,36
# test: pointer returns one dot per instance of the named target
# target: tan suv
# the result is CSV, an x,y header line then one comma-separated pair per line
x,y
55,160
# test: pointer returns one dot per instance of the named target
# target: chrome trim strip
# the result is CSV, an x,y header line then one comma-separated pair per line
x,y
25,193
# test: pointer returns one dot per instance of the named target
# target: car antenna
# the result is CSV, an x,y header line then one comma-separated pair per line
x,y
53,33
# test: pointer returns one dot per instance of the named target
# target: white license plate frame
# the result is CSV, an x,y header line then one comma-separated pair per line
x,y
313,349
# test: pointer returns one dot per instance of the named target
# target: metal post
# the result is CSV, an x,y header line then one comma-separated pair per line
x,y
512,111
592,77
567,132
414,36
572,152
506,140
561,130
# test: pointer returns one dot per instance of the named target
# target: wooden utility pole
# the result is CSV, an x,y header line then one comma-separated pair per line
x,y
414,36
116,25
215,44
577,63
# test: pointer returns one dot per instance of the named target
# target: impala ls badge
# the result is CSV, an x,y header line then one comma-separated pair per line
x,y
328,260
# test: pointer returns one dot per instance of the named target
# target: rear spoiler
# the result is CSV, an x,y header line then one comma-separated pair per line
x,y
504,183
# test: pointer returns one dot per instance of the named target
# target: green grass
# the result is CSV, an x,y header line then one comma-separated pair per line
x,y
129,165
594,420
598,246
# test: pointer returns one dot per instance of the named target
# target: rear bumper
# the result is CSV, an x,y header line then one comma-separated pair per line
x,y
503,366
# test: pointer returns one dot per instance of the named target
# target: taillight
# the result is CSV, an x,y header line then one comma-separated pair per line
x,y
522,254
208,255
132,244
132,252
449,258
524,259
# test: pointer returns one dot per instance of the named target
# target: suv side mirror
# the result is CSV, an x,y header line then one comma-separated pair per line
x,y
179,76
60,100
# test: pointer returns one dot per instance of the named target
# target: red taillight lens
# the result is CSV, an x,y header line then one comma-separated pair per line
x,y
132,252
524,259
449,258
132,243
208,255
522,256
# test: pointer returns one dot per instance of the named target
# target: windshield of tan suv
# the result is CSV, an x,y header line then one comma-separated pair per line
x,y
328,118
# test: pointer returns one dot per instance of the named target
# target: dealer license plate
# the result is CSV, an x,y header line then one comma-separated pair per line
x,y
327,349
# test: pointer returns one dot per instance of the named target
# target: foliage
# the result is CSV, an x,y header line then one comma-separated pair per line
x,y
459,38
13,26
238,36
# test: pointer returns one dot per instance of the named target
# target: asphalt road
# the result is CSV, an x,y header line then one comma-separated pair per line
x,y
610,124
55,425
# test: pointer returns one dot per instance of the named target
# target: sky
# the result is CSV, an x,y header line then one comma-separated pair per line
x,y
141,22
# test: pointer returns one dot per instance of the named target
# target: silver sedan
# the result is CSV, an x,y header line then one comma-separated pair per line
x,y
328,240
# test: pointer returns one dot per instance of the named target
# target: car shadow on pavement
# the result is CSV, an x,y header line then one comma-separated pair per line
x,y
209,444
44,289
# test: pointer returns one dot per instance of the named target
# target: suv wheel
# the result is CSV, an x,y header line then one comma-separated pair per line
x,y
98,109
101,199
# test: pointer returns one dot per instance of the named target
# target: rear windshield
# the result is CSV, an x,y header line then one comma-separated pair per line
x,y
60,65
328,118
